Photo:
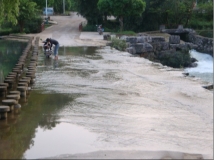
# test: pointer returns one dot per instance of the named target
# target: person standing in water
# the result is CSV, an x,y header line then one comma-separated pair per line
x,y
56,43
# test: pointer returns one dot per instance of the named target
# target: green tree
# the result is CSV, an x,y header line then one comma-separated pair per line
x,y
56,4
88,9
202,17
27,11
168,12
149,20
42,3
9,9
176,12
122,8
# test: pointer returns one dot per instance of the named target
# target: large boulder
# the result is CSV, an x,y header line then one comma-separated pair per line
x,y
159,46
191,45
131,39
142,47
174,39
131,50
143,39
107,37
184,46
138,39
123,38
158,39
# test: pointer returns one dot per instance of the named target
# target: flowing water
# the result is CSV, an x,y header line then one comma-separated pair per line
x,y
96,99
204,69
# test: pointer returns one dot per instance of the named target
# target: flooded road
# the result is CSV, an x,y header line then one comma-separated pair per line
x,y
102,103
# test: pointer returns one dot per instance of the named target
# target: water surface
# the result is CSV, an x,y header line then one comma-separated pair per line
x,y
10,52
204,69
94,99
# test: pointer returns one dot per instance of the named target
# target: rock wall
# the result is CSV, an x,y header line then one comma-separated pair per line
x,y
204,44
145,44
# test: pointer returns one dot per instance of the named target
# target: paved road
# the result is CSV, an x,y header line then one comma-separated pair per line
x,y
66,31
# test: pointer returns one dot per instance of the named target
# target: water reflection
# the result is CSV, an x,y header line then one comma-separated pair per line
x,y
18,130
10,51
62,139
101,100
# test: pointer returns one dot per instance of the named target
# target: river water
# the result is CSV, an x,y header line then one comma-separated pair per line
x,y
204,69
10,52
94,101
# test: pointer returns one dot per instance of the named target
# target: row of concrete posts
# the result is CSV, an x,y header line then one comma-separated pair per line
x,y
17,84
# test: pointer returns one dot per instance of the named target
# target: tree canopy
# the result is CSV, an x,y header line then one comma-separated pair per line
x,y
121,8
88,9
27,10
56,4
9,9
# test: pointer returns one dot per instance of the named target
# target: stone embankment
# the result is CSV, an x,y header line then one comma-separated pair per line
x,y
146,45
17,84
203,44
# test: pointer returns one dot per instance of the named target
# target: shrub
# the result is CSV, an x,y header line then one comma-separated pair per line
x,y
175,59
5,31
118,44
89,27
127,33
33,26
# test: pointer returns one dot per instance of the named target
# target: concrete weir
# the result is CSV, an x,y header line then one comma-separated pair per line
x,y
18,82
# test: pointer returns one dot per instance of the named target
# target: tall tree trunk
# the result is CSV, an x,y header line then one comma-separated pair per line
x,y
21,26
121,23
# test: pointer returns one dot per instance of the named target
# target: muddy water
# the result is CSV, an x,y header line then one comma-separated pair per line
x,y
94,99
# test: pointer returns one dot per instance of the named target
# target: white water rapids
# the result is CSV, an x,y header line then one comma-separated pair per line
x,y
204,69
127,104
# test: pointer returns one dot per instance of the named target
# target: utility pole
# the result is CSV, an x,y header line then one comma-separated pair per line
x,y
63,6
46,9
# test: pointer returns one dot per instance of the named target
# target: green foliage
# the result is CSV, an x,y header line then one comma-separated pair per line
x,y
127,33
56,4
118,44
175,59
33,25
9,9
42,3
88,9
202,17
205,33
121,8
6,31
27,11
89,27
171,13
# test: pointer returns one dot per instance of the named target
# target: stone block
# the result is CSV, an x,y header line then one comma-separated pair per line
x,y
131,39
142,47
159,46
142,39
131,50
174,39
158,39
107,37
